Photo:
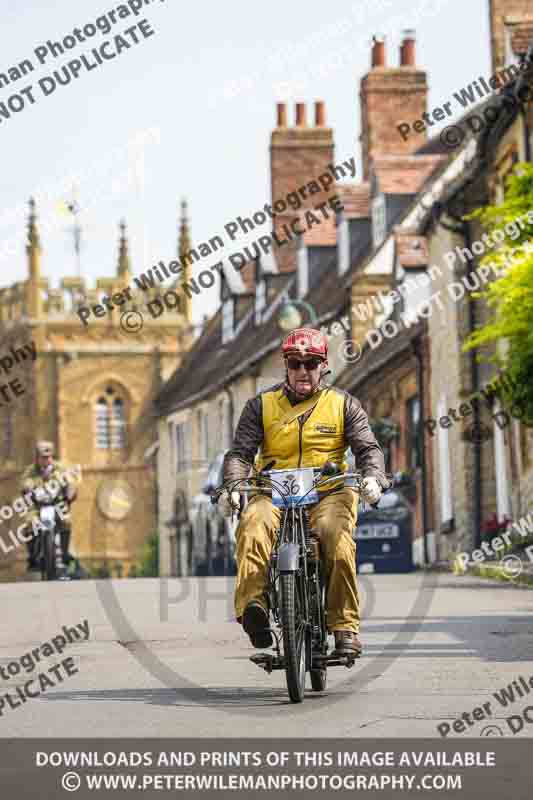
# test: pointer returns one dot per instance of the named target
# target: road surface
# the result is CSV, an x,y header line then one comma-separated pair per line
x,y
163,658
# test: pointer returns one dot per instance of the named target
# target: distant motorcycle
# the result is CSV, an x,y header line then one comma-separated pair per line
x,y
46,502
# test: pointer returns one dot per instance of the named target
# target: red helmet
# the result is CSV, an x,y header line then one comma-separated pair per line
x,y
305,342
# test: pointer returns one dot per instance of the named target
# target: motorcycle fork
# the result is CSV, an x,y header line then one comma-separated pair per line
x,y
292,530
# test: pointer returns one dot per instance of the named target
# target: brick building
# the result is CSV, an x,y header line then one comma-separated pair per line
x,y
474,469
392,234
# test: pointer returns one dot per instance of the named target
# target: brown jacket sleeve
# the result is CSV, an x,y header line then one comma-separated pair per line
x,y
248,438
368,454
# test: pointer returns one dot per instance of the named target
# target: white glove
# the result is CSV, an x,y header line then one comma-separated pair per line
x,y
371,490
227,504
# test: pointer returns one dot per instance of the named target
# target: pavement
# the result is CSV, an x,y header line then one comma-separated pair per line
x,y
164,658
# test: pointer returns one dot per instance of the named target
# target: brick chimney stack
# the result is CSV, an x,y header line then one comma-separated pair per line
x,y
298,155
389,96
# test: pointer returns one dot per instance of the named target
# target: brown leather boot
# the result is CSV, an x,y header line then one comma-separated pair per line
x,y
256,624
347,644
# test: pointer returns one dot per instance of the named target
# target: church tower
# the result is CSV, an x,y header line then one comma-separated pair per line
x,y
89,390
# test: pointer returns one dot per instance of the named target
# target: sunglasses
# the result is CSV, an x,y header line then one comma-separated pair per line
x,y
309,366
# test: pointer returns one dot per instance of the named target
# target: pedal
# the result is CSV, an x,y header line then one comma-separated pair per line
x,y
348,661
334,660
267,661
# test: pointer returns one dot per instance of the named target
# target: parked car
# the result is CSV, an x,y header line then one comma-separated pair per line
x,y
213,536
384,535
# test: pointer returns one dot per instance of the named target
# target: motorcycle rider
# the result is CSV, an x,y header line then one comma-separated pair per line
x,y
301,422
36,476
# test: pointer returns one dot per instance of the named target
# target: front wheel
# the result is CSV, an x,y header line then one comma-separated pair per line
x,y
50,555
293,625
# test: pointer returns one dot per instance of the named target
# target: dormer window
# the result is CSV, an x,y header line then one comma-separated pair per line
x,y
379,220
260,301
227,320
510,55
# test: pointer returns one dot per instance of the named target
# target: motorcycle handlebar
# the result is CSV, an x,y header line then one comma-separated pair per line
x,y
248,487
43,497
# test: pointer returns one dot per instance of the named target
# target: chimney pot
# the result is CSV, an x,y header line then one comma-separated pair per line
x,y
407,49
301,121
320,114
378,51
282,115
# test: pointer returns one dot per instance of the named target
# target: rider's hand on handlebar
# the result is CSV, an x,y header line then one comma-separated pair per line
x,y
371,490
229,504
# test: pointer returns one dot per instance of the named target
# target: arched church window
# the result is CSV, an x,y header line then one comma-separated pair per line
x,y
110,421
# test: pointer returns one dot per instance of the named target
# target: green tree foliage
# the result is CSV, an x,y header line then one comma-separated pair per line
x,y
149,567
510,296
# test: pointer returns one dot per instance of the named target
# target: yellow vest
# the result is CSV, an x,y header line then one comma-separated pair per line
x,y
292,445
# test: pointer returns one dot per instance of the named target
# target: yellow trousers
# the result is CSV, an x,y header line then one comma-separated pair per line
x,y
333,519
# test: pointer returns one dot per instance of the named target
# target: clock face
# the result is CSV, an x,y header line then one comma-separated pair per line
x,y
115,499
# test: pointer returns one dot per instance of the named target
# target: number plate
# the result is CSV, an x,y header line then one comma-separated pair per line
x,y
296,484
377,532
47,516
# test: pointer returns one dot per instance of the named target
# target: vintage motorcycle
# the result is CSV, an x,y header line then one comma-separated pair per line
x,y
296,587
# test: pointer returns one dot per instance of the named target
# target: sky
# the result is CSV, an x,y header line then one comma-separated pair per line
x,y
187,113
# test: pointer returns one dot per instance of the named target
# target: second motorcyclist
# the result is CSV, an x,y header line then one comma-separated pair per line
x,y
37,476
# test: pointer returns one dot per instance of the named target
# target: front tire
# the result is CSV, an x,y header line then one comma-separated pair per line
x,y
50,555
293,637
